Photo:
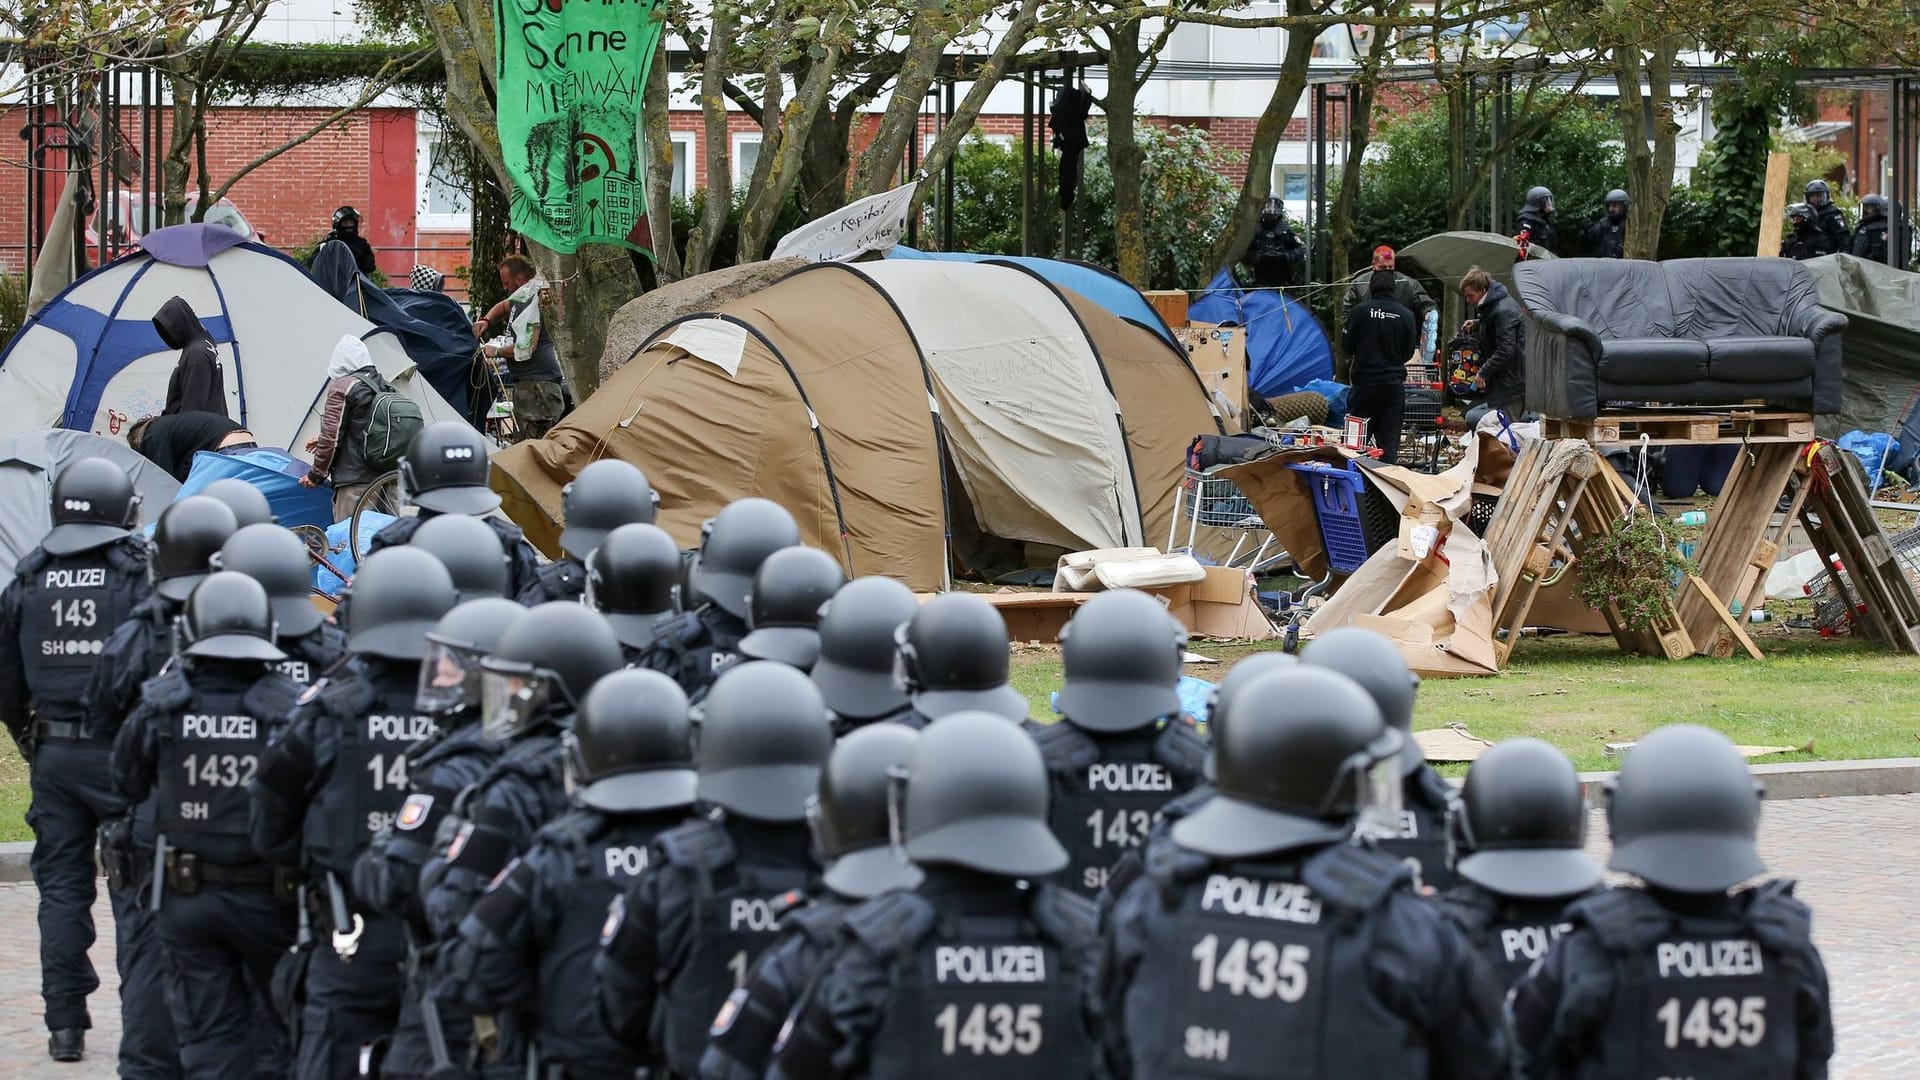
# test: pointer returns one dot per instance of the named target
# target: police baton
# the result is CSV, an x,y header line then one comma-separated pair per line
x,y
159,871
429,1011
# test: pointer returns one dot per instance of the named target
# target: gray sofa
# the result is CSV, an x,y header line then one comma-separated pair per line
x,y
1682,332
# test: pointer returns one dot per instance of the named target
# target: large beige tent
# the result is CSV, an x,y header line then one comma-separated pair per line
x,y
899,410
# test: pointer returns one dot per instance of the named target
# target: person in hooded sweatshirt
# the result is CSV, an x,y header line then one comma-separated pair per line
x,y
339,456
198,383
171,441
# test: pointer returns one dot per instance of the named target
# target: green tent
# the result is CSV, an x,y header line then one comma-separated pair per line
x,y
1881,353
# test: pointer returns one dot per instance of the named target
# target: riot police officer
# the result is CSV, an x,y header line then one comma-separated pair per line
x,y
704,640
1870,236
248,503
1607,238
1121,750
633,578
67,595
1275,254
976,969
529,944
607,494
1425,798
1829,222
852,829
854,671
783,610
335,777
1801,240
223,915
1535,220
471,554
1679,976
685,937
387,878
1516,838
1266,942
445,471
277,560
953,657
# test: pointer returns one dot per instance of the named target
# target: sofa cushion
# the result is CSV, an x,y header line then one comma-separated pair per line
x,y
1759,359
1653,361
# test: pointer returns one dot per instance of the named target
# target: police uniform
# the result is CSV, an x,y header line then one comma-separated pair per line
x,y
1510,933
1711,985
1276,255
1801,242
328,784
1607,238
1108,787
310,656
749,1024
1537,226
521,560
686,936
224,917
694,647
1422,842
1830,229
494,819
563,579
529,944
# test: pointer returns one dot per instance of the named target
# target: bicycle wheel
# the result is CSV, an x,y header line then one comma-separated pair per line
x,y
381,497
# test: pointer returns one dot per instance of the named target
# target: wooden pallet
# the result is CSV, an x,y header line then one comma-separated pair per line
x,y
1838,517
1742,539
1607,499
1668,429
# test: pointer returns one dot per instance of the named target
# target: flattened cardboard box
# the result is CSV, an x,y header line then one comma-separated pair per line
x,y
1221,605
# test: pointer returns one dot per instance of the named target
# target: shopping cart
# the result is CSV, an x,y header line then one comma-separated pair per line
x,y
1422,425
1217,503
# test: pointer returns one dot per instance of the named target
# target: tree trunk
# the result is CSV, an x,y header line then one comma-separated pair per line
x,y
901,122
1360,98
1289,83
177,167
713,107
824,166
591,284
774,180
1649,168
1124,156
492,224
659,140
985,78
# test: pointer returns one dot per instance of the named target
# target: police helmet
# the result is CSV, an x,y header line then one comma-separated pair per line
x,y
1272,210
1817,193
450,670
764,737
471,552
93,504
632,578
1221,700
783,610
1540,200
1873,206
186,536
228,617
543,667
1684,811
398,594
1521,822
1376,663
277,560
953,658
851,815
977,797
1800,212
445,470
1617,195
630,749
1306,754
248,503
607,494
855,669
733,544
345,214
1122,654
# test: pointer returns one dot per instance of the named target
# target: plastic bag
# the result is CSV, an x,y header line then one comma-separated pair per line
x,y
1873,449
1335,393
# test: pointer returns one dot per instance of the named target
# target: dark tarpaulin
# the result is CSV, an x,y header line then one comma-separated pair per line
x,y
431,326
1881,353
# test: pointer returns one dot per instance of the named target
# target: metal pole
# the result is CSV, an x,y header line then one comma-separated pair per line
x,y
1026,163
946,176
1318,207
1498,182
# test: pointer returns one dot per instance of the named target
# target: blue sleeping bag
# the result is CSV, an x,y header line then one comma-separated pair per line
x,y
276,473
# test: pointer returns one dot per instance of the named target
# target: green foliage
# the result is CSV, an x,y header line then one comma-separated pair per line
x,y
687,211
13,306
277,69
986,199
1690,227
1733,178
1632,570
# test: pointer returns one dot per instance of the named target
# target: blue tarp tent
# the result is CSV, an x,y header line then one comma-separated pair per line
x,y
431,326
276,474
1103,287
1286,349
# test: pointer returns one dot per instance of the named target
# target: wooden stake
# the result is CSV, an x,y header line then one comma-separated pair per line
x,y
1773,204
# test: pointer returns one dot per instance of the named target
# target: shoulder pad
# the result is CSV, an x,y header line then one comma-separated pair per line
x,y
1778,918
504,529
1182,749
1066,748
892,922
1067,918
1472,907
1623,919
346,696
1354,878
819,919
168,690
273,697
128,555
1434,788
700,845
573,829
1172,866
31,563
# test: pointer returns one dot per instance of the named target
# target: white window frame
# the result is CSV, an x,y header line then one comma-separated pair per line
x,y
688,144
424,138
741,178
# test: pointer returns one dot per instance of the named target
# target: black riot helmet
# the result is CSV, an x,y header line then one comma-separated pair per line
x,y
1521,823
783,610
851,817
1306,755
630,749
450,671
471,552
248,503
1376,663
229,617
1224,698
633,577
976,797
1616,197
543,667
346,219
733,544
398,595
1272,212
1873,206
1540,201
764,737
607,494
953,658
188,533
1800,213
1684,811
277,560
1122,655
93,504
855,669
1818,194
445,470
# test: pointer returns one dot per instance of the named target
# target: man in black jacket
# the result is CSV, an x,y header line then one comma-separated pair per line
x,y
198,383
1829,222
1380,334
1503,344
171,441
1870,236
346,229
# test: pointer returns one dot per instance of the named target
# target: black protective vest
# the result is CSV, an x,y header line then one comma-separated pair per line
x,y
694,647
1511,934
211,738
1109,787
373,726
563,579
1423,828
311,656
68,608
973,996
1699,997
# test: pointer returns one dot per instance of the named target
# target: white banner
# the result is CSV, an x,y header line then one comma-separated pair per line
x,y
875,223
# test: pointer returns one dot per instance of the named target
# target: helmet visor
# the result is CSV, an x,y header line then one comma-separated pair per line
x,y
511,701
449,679
1379,790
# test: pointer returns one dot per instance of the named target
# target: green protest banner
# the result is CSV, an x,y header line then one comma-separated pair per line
x,y
573,74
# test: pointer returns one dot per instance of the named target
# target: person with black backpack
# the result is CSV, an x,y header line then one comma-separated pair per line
x,y
365,426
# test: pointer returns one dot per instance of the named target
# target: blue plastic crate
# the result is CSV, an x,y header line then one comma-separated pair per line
x,y
1355,520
